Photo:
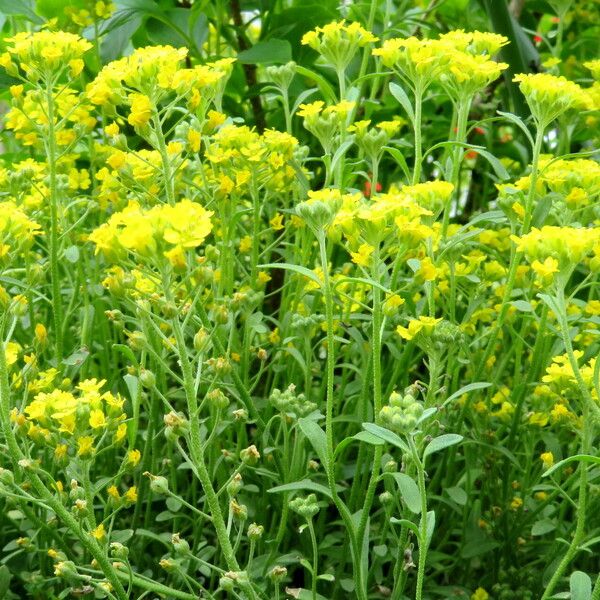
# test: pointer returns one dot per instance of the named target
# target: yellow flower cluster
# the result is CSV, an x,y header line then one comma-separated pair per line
x,y
28,117
423,326
460,61
45,54
241,159
560,376
97,9
74,419
338,42
163,228
17,230
550,96
565,246
144,78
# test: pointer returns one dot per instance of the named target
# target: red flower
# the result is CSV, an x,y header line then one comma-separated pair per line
x,y
367,188
537,39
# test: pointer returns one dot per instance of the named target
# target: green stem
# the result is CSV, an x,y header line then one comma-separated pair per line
x,y
197,451
418,137
586,436
461,135
377,400
423,543
57,309
164,155
315,550
330,467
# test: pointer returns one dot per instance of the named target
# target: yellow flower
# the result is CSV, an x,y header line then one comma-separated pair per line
x,y
141,110
363,256
415,326
427,270
99,532
480,594
85,445
338,42
547,459
277,222
113,492
97,419
130,495
112,130
545,270
133,457
516,503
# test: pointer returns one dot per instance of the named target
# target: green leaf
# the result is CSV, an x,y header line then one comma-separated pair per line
x,y
519,123
324,86
403,99
478,547
542,209
409,492
441,442
316,436
542,527
522,305
576,458
580,585
550,302
400,160
361,436
386,435
304,484
122,536
477,385
77,358
72,254
498,167
339,153
267,52
406,523
458,495
295,268
5,578
22,8
430,525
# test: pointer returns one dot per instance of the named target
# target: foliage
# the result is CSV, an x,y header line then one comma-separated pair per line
x,y
299,299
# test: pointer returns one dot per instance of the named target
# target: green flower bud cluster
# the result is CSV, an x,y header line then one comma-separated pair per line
x,y
282,75
232,579
176,425
402,413
290,402
306,507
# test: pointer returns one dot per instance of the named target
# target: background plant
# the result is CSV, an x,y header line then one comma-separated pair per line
x,y
299,299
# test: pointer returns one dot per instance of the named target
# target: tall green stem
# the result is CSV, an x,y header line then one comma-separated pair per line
x,y
418,136
423,541
377,401
330,467
57,308
164,155
586,436
457,155
197,451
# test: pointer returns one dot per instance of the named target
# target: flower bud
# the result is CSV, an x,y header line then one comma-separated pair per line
x,y
158,484
250,456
